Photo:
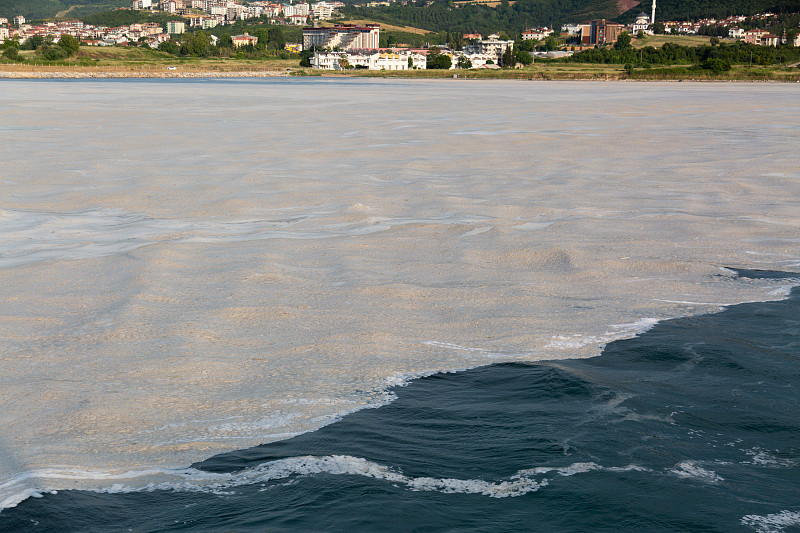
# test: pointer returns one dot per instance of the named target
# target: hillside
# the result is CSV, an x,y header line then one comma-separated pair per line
x,y
516,16
41,9
696,9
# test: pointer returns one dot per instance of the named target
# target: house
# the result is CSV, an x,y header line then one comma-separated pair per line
x,y
19,20
536,34
754,36
736,33
770,39
297,20
244,40
4,34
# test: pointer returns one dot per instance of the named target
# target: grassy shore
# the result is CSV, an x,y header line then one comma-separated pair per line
x,y
115,62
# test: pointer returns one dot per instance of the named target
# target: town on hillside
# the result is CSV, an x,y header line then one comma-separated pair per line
x,y
358,46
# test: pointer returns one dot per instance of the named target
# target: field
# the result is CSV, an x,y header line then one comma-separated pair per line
x,y
657,41
385,27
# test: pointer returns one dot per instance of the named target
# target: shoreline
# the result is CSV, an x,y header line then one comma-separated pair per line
x,y
519,75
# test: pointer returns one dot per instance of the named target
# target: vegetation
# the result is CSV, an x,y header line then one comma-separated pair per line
x,y
442,16
42,9
737,53
718,9
125,17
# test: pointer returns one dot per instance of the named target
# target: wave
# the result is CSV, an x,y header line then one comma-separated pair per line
x,y
772,523
194,480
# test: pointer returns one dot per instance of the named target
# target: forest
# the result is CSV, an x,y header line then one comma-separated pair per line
x,y
42,9
443,15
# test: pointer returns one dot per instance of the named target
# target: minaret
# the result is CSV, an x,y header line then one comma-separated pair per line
x,y
653,16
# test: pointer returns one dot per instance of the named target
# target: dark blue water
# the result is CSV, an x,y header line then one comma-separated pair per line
x,y
693,426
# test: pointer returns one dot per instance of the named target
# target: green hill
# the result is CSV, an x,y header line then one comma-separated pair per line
x,y
697,9
44,9
444,15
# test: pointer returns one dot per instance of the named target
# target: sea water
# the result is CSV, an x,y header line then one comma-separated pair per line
x,y
194,267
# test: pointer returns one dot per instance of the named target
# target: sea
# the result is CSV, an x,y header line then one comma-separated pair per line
x,y
304,304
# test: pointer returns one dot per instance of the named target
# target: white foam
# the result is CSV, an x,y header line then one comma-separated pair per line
x,y
615,332
772,523
691,470
761,457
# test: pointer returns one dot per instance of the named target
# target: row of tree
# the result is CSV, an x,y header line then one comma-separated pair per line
x,y
66,47
738,53
271,43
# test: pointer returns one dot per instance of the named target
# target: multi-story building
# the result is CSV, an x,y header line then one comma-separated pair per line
x,y
736,33
296,9
390,59
244,40
322,10
600,32
492,46
754,36
4,34
19,20
175,27
343,36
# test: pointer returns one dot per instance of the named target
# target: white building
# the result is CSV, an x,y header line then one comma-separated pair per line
x,y
4,34
296,9
641,24
322,10
571,29
19,20
382,60
736,33
344,37
175,27
491,47
536,34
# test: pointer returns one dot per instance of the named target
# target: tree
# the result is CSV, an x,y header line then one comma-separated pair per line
x,y
12,53
439,61
53,53
550,43
717,66
524,57
70,44
276,36
659,28
464,62
623,41
305,57
170,47
508,59
33,42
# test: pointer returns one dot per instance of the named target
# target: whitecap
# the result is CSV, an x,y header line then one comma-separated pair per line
x,y
772,523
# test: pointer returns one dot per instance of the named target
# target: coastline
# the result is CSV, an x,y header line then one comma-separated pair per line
x,y
28,72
